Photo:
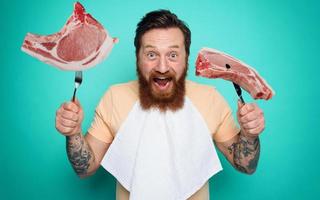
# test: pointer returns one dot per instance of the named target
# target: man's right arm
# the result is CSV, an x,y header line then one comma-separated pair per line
x,y
84,152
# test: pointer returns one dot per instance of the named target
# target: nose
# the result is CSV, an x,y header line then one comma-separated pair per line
x,y
163,66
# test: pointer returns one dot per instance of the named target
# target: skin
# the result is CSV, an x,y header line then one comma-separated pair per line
x,y
162,54
162,50
84,152
243,150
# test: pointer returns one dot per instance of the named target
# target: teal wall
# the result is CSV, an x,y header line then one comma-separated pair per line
x,y
279,38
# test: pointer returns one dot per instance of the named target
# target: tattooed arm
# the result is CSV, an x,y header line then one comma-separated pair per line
x,y
84,152
84,160
242,152
80,154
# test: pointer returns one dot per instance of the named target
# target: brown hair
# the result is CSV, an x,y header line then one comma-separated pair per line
x,y
161,19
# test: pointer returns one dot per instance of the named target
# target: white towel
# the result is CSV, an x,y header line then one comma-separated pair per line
x,y
162,155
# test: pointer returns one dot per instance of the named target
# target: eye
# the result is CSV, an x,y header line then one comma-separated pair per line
x,y
151,55
173,55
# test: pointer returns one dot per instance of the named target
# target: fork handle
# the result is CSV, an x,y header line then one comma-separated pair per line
x,y
241,99
74,94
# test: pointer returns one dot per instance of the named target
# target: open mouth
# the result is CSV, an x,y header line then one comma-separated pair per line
x,y
162,82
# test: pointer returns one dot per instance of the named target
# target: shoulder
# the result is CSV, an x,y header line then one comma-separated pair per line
x,y
201,91
128,90
128,87
207,99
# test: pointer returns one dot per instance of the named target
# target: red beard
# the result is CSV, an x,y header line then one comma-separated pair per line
x,y
163,100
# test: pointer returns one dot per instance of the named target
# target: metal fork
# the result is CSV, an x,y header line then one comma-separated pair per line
x,y
237,87
77,83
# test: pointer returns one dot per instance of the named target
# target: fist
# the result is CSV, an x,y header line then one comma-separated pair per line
x,y
251,119
69,118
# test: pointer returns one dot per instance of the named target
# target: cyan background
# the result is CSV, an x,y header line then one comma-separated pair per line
x,y
279,38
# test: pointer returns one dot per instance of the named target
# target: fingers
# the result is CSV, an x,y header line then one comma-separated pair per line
x,y
69,115
255,131
252,124
69,118
66,122
240,104
62,129
246,108
67,131
251,118
64,126
72,106
77,102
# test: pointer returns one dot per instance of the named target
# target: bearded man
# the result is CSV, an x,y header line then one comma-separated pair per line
x,y
157,135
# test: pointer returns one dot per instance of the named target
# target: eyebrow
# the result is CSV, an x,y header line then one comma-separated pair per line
x,y
151,46
174,46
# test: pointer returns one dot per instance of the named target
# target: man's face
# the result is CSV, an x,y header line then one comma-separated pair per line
x,y
161,58
162,62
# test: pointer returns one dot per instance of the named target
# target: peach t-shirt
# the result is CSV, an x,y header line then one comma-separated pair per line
x,y
118,101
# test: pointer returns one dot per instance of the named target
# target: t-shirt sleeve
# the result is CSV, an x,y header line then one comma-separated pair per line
x,y
101,124
227,127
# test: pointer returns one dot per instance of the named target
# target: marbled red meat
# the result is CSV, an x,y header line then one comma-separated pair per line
x,y
82,43
212,63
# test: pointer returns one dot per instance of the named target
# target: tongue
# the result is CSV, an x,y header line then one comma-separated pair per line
x,y
162,82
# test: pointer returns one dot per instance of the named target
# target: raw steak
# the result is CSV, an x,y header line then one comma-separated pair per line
x,y
82,43
212,64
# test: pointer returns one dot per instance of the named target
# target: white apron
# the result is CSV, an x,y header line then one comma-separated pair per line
x,y
162,155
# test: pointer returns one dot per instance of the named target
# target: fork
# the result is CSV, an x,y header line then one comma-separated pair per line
x,y
77,83
237,87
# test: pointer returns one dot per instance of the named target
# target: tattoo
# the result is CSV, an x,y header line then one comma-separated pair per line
x,y
246,154
79,153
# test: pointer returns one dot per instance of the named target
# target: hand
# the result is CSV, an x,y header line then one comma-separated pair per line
x,y
69,118
251,119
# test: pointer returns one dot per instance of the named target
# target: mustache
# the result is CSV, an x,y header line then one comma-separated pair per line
x,y
168,74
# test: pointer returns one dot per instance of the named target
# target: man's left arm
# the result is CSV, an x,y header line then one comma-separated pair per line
x,y
243,150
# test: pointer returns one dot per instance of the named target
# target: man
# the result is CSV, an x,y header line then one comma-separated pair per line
x,y
162,102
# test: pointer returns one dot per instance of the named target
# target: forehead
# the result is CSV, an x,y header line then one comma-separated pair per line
x,y
163,38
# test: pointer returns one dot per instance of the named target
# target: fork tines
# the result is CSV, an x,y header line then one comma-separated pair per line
x,y
78,78
77,82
